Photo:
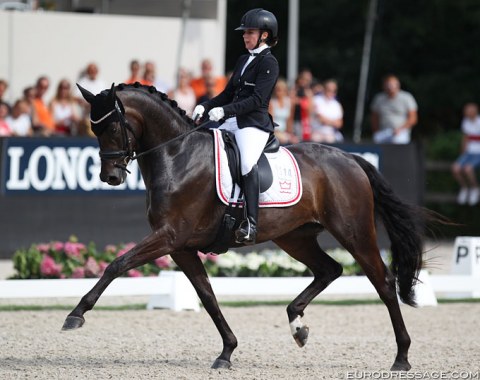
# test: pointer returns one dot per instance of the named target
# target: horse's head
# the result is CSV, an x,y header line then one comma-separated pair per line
x,y
115,135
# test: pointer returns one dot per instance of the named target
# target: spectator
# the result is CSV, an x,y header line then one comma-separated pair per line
x,y
210,90
327,115
91,81
317,87
302,105
3,90
183,94
19,121
29,97
394,113
464,167
280,108
134,73
199,84
64,110
43,122
150,78
4,127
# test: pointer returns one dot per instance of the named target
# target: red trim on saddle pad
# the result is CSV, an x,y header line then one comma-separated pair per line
x,y
286,189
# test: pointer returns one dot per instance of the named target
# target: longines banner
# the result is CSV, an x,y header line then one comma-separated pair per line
x,y
58,165
73,166
50,189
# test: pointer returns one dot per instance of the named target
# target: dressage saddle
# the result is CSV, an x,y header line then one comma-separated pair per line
x,y
265,174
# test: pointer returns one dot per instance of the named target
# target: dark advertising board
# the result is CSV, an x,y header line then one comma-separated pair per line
x,y
50,189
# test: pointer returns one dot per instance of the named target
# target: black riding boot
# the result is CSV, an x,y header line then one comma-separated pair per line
x,y
247,232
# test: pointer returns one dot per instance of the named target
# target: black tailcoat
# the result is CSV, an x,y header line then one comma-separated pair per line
x,y
247,96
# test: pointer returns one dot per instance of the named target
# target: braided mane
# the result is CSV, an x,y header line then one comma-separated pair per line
x,y
163,97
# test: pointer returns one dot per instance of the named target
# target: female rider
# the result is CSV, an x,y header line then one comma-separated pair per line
x,y
243,107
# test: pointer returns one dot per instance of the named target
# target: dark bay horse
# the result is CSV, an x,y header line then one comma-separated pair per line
x,y
342,193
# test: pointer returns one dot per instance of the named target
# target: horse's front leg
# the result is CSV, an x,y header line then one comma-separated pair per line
x,y
193,268
148,249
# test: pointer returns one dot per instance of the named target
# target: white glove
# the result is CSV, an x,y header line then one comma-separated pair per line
x,y
198,112
216,113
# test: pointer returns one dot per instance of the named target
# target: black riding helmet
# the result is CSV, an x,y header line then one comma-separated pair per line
x,y
263,20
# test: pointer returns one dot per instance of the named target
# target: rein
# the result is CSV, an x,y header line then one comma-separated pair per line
x,y
127,153
168,142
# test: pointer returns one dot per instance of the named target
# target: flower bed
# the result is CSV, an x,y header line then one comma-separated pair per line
x,y
73,259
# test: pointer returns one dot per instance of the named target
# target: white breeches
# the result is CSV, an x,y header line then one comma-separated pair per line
x,y
250,141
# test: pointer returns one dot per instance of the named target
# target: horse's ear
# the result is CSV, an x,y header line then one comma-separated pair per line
x,y
111,94
87,95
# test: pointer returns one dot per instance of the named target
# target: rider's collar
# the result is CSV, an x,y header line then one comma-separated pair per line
x,y
258,50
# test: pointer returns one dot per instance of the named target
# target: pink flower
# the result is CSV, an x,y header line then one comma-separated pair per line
x,y
110,248
103,265
127,247
57,246
49,268
74,249
43,248
163,262
91,268
134,273
207,257
212,257
78,273
202,256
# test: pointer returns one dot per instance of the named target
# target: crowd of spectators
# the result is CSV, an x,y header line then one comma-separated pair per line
x,y
310,110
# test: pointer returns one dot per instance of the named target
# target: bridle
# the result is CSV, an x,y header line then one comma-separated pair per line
x,y
127,152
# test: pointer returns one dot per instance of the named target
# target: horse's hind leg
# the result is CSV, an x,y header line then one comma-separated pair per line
x,y
365,251
302,245
193,268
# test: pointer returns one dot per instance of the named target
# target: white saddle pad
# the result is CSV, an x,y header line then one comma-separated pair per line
x,y
286,189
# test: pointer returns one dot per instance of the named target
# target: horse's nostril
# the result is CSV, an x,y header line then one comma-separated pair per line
x,y
112,179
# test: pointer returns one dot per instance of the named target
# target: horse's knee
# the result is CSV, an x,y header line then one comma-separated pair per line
x,y
337,270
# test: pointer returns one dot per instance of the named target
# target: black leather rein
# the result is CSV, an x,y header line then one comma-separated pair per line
x,y
127,153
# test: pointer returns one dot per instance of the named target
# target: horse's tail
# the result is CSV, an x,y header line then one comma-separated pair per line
x,y
405,225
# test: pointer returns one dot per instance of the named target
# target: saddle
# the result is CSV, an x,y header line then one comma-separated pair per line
x,y
265,175
230,220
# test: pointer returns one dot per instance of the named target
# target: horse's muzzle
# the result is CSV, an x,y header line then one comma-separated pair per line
x,y
113,177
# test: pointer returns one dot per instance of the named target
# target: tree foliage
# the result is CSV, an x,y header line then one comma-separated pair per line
x,y
430,45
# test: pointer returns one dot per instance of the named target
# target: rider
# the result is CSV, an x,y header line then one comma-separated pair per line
x,y
243,105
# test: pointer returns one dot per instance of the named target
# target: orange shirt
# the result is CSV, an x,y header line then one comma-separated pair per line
x,y
43,114
199,88
132,80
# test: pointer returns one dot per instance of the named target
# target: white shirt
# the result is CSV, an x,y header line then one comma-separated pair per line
x,y
252,57
329,108
94,86
472,128
19,126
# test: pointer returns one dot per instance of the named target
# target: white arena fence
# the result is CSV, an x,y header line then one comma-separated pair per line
x,y
172,290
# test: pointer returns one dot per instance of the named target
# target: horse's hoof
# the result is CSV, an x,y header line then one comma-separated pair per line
x,y
221,364
72,323
301,336
401,366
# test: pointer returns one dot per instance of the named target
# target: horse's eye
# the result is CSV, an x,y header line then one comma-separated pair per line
x,y
115,130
